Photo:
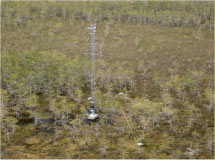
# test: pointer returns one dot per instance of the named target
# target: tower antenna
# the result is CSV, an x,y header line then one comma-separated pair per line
x,y
93,115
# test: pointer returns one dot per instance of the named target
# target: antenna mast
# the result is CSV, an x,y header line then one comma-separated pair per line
x,y
92,28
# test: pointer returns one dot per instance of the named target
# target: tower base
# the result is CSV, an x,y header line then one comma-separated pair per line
x,y
92,116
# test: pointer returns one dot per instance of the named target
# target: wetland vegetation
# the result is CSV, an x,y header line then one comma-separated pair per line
x,y
156,73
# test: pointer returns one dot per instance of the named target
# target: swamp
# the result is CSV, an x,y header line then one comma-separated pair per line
x,y
153,79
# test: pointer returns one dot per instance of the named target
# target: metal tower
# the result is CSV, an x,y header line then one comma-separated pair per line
x,y
93,114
